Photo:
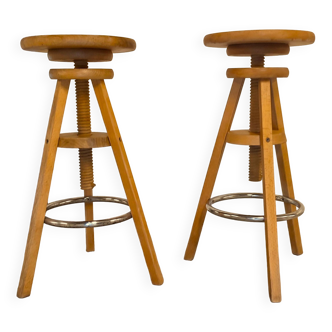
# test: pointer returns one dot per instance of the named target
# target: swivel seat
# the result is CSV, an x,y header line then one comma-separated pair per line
x,y
265,131
82,49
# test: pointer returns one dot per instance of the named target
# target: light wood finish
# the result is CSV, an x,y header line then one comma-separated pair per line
x,y
257,72
73,140
265,130
81,49
212,172
74,54
43,188
285,172
258,49
128,181
271,232
290,37
266,139
81,74
50,42
245,137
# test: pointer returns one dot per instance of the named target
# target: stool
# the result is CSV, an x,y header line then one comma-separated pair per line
x,y
81,49
266,129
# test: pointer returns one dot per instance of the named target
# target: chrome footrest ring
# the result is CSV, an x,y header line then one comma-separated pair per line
x,y
253,218
87,224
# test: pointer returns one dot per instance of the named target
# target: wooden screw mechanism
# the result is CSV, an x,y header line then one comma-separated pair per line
x,y
82,49
265,130
85,154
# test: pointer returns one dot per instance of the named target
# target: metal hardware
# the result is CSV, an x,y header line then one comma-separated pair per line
x,y
86,224
253,218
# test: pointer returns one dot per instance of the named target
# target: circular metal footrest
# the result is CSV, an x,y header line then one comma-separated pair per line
x,y
253,218
86,224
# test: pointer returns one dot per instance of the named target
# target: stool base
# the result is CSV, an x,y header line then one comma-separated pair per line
x,y
270,120
44,183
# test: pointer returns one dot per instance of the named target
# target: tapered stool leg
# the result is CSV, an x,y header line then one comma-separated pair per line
x,y
212,172
43,188
128,181
271,232
89,232
285,173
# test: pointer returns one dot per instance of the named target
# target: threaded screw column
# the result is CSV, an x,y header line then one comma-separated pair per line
x,y
84,128
85,155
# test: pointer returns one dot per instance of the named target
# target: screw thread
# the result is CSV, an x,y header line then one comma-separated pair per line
x,y
84,127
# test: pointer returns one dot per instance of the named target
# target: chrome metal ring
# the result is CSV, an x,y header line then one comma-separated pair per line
x,y
253,218
86,224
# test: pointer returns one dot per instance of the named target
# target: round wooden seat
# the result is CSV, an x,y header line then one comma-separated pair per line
x,y
289,37
67,48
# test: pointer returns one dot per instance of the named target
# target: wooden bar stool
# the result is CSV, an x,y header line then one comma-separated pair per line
x,y
266,129
81,49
